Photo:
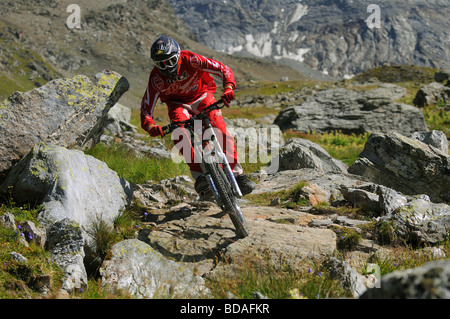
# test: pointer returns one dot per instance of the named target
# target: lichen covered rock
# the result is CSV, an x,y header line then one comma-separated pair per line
x,y
65,112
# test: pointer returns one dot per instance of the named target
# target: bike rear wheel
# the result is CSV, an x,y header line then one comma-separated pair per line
x,y
230,204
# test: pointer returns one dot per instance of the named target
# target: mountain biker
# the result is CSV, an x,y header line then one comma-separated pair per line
x,y
181,79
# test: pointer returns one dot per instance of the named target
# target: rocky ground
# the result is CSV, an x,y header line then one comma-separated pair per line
x,y
184,241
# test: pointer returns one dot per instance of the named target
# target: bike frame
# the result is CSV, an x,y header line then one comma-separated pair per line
x,y
209,147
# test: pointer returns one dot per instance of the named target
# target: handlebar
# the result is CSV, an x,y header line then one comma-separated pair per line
x,y
169,128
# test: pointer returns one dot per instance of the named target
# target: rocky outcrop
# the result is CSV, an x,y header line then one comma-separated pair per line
x,y
300,153
433,138
431,94
143,272
431,281
420,221
406,165
350,111
68,184
65,112
66,243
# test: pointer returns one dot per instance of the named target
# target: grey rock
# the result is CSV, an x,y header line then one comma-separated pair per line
x,y
65,243
350,111
361,198
154,149
180,188
431,281
137,268
348,276
66,112
421,221
390,200
442,75
431,94
300,153
433,138
18,257
69,184
34,234
405,165
8,221
117,120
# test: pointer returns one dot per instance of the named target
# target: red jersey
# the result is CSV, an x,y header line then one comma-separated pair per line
x,y
192,82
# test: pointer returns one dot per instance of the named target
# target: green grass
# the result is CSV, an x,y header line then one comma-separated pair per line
x,y
398,74
438,118
340,146
290,198
271,88
276,279
405,257
137,169
16,278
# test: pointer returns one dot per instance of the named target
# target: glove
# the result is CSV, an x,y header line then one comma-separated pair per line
x,y
228,96
155,131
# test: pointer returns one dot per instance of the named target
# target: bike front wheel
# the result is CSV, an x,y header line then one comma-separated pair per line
x,y
230,204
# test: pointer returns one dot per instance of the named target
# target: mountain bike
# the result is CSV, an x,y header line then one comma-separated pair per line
x,y
215,166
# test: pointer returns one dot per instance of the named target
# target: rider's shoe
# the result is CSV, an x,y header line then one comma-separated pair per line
x,y
201,185
202,188
245,184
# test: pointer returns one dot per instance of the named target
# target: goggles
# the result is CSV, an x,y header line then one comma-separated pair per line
x,y
170,62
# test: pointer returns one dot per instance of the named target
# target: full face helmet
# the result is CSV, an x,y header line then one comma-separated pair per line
x,y
165,53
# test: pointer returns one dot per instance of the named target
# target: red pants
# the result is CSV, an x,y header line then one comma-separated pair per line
x,y
182,112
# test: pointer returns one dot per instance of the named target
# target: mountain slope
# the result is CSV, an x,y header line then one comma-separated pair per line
x,y
113,34
329,36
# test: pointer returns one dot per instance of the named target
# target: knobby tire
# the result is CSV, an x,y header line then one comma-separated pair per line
x,y
228,199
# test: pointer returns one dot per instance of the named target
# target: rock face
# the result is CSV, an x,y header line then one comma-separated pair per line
x,y
65,112
406,165
69,184
352,112
337,38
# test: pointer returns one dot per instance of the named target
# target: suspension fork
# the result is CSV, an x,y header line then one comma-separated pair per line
x,y
220,155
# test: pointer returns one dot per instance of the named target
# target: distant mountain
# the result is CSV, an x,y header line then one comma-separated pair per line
x,y
37,44
330,36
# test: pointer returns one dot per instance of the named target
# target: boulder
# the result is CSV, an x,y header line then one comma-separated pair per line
x,y
405,165
69,184
180,188
65,112
442,75
117,115
431,94
351,111
65,243
431,281
348,277
135,267
299,153
420,221
433,138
